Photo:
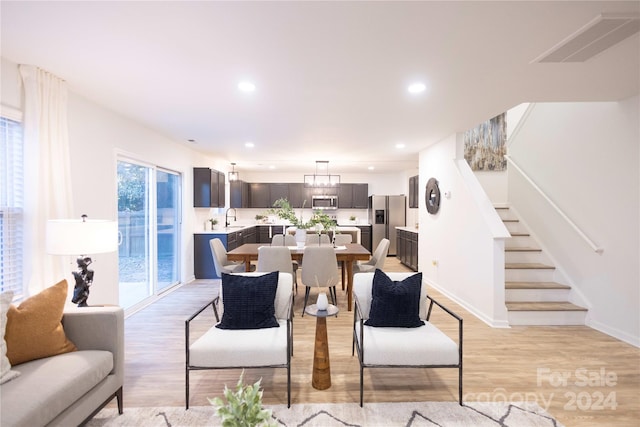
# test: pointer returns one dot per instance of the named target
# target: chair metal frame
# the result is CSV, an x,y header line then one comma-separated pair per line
x,y
214,304
358,322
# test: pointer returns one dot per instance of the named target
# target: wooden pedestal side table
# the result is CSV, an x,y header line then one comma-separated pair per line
x,y
321,379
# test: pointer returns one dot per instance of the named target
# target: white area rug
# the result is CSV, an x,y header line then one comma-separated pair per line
x,y
416,414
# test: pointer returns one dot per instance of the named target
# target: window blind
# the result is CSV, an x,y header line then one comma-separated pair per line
x,y
11,206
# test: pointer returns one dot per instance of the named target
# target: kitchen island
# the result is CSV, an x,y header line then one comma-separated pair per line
x,y
237,235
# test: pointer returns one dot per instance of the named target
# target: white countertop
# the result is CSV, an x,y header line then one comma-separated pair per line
x,y
409,229
234,228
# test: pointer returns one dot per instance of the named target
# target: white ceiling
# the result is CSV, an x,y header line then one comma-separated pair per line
x,y
331,77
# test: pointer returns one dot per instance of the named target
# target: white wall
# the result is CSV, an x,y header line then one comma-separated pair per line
x,y
585,157
461,244
96,136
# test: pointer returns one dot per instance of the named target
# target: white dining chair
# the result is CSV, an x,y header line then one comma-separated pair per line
x,y
319,270
376,261
341,240
220,261
287,240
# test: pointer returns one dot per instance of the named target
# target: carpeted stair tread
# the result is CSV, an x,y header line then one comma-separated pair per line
x,y
543,306
535,285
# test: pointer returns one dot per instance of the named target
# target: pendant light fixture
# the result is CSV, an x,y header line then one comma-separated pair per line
x,y
233,175
322,178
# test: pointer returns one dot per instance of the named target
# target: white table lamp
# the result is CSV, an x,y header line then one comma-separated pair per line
x,y
81,237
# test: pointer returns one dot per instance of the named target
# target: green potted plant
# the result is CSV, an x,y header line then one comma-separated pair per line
x,y
282,208
214,223
243,406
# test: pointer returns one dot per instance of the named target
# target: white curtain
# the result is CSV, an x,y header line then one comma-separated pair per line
x,y
47,173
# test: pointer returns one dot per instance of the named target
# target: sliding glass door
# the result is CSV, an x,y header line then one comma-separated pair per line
x,y
149,223
167,228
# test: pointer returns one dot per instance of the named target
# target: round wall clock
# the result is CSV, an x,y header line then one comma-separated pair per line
x,y
432,196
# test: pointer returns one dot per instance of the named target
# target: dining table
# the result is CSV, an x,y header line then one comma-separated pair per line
x,y
347,254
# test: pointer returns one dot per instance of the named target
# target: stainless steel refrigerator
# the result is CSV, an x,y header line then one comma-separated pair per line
x,y
385,214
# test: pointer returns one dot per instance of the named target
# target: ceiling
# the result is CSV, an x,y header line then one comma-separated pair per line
x,y
331,77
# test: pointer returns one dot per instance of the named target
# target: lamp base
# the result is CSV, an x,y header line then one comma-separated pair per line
x,y
84,279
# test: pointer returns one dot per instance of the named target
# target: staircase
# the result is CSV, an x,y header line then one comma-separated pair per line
x,y
532,297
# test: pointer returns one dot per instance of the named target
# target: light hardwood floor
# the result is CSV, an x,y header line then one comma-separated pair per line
x,y
543,364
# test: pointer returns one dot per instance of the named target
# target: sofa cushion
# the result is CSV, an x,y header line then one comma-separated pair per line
x,y
249,301
6,373
34,328
395,303
47,386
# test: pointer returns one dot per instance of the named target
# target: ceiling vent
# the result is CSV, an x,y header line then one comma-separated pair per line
x,y
598,35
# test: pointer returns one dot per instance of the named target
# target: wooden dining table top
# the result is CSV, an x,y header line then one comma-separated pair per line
x,y
251,249
348,254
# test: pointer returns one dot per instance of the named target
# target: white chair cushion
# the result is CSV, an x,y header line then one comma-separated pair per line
x,y
426,345
219,348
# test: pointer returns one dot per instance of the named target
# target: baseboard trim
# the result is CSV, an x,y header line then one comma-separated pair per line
x,y
470,308
613,332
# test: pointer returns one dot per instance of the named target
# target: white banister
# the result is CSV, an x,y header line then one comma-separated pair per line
x,y
577,229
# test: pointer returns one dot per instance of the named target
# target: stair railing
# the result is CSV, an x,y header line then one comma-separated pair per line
x,y
573,225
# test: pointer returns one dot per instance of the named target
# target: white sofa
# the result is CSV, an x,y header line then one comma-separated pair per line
x,y
69,389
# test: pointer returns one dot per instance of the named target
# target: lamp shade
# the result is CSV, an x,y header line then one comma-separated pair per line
x,y
81,237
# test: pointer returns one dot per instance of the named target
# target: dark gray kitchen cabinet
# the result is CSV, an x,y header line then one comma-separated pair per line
x,y
360,196
208,188
353,196
278,191
365,236
345,196
296,195
259,195
265,233
239,197
407,246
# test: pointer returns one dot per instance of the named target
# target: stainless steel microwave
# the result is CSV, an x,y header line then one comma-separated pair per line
x,y
324,202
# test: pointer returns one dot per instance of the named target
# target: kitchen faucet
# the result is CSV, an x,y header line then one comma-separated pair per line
x,y
226,217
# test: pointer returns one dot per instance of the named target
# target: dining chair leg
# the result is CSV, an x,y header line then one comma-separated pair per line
x,y
306,298
334,296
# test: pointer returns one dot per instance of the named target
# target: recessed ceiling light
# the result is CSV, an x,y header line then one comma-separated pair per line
x,y
371,168
400,145
249,144
271,167
193,141
246,86
416,88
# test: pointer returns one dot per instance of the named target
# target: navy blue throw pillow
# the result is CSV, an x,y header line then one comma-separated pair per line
x,y
249,301
395,303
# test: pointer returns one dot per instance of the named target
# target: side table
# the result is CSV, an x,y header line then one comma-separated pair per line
x,y
321,378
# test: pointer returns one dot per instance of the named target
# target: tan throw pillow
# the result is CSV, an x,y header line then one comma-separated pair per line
x,y
34,328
